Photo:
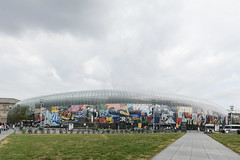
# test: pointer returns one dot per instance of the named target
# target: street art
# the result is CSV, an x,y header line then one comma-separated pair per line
x,y
128,113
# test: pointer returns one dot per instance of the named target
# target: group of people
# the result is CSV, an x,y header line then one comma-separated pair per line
x,y
3,128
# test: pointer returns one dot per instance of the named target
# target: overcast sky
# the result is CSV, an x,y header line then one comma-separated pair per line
x,y
184,47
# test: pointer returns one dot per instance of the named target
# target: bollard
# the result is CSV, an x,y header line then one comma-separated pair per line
x,y
66,131
54,131
30,131
60,131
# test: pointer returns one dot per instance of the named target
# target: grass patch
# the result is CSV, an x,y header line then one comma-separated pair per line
x,y
86,146
231,141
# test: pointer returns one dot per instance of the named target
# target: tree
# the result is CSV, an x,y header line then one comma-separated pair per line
x,y
17,114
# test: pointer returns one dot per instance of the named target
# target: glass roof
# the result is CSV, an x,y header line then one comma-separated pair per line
x,y
119,96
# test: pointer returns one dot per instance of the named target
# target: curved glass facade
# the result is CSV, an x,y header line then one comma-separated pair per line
x,y
123,106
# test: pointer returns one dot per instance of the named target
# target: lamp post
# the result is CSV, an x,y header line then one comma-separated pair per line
x,y
154,103
231,110
41,104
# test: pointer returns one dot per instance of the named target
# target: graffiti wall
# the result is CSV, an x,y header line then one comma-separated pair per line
x,y
128,113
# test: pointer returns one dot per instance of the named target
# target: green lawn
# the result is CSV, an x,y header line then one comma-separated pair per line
x,y
86,146
231,141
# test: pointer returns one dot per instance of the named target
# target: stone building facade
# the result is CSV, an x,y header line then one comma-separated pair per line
x,y
5,104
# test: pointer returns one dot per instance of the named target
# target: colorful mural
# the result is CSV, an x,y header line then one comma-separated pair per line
x,y
128,113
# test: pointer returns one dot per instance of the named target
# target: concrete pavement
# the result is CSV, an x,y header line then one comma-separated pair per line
x,y
196,146
5,134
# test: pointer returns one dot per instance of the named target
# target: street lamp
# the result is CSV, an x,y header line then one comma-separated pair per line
x,y
231,110
41,105
154,103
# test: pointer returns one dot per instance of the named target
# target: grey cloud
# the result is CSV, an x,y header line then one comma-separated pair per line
x,y
86,17
188,48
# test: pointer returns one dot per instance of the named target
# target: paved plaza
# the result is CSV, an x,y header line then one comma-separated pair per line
x,y
5,134
196,146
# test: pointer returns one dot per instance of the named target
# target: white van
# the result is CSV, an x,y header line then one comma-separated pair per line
x,y
209,128
232,128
